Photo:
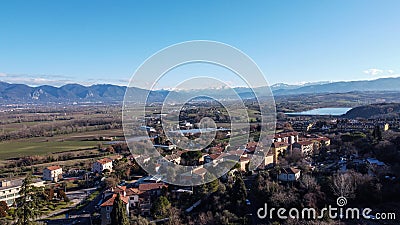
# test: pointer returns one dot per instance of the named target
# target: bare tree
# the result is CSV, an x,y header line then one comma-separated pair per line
x,y
309,183
343,185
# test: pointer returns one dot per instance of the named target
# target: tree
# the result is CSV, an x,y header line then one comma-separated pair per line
x,y
120,168
3,209
377,133
110,182
309,183
343,185
28,205
161,207
118,214
174,216
49,194
239,194
138,220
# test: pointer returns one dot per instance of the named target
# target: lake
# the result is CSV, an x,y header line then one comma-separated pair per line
x,y
322,112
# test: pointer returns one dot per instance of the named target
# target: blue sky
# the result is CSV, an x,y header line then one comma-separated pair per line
x,y
58,42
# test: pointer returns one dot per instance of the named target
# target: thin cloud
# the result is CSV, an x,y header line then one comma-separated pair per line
x,y
373,72
35,79
55,80
380,73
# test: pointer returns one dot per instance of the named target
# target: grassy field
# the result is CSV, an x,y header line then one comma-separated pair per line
x,y
21,148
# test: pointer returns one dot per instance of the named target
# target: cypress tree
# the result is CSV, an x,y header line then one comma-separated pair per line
x,y
118,213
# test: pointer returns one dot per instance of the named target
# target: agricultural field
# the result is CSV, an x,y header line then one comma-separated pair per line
x,y
15,149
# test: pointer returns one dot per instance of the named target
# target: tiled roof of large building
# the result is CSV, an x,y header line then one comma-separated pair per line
x,y
151,186
305,142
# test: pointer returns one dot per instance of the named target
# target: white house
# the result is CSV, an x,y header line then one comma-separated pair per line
x,y
102,164
52,173
289,174
9,189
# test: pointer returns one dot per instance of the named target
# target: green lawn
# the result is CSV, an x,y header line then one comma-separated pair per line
x,y
20,148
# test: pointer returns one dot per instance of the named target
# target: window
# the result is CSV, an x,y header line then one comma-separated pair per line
x,y
108,215
108,208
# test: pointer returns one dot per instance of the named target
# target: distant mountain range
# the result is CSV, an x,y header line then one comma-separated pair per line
x,y
21,93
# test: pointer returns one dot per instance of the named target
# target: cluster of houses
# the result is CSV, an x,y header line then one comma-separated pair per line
x,y
290,141
55,173
137,200
9,188
282,143
361,125
308,123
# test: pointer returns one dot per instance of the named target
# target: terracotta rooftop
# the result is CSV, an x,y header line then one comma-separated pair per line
x,y
53,167
323,139
133,191
286,134
305,142
251,146
110,201
151,186
104,161
214,156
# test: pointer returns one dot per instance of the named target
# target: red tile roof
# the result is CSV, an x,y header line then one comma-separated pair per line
x,y
104,161
53,167
133,191
305,142
151,186
251,146
286,134
110,201
323,139
214,156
